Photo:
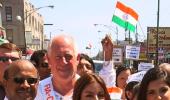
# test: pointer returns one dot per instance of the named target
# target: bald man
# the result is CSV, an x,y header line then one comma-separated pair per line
x,y
62,58
165,66
21,80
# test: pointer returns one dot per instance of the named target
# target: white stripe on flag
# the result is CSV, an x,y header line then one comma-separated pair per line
x,y
120,14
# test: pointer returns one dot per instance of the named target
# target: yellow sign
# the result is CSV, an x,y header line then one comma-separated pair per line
x,y
163,39
142,56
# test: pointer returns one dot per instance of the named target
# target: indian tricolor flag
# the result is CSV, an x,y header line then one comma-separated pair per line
x,y
125,17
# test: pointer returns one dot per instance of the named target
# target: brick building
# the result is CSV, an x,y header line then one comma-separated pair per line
x,y
23,25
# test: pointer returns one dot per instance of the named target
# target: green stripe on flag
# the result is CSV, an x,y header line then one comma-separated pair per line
x,y
123,23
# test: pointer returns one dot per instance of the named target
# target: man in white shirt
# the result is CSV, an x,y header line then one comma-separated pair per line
x,y
62,58
108,72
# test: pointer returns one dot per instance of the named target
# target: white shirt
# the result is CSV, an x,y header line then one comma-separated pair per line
x,y
108,74
47,92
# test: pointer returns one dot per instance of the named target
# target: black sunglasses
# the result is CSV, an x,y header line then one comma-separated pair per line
x,y
22,80
5,59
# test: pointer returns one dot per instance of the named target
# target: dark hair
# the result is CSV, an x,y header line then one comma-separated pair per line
x,y
151,75
86,57
6,74
85,80
37,55
129,87
135,90
119,70
11,47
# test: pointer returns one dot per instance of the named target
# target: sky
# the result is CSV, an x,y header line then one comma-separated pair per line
x,y
77,18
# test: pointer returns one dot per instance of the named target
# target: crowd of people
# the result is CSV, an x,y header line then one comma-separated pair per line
x,y
62,73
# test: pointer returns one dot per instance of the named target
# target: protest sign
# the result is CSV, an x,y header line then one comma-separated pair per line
x,y
145,66
132,52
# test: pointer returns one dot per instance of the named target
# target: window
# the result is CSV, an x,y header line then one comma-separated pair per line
x,y
8,11
9,34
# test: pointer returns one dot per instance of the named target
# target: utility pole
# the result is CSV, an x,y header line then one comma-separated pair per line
x,y
157,37
136,35
117,35
129,38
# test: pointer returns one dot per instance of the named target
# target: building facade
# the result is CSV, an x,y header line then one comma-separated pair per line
x,y
23,24
2,29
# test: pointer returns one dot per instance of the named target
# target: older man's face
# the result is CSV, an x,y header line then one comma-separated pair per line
x,y
22,84
6,57
63,60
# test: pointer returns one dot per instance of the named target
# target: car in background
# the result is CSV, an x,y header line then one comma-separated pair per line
x,y
98,65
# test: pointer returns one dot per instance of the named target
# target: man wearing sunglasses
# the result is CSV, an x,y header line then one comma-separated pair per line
x,y
8,52
21,80
62,58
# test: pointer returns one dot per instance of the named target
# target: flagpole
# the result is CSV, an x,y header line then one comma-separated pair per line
x,y
157,37
129,37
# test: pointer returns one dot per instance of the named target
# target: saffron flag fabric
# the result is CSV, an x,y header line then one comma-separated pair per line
x,y
125,17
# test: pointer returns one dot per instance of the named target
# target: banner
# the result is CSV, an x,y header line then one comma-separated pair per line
x,y
163,39
145,66
136,77
117,55
132,52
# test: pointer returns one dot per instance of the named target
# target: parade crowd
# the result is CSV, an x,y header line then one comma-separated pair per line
x,y
62,73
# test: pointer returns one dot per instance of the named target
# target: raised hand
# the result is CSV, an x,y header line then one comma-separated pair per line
x,y
107,45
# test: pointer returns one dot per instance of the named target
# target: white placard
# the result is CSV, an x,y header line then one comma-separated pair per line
x,y
136,77
117,55
145,66
132,52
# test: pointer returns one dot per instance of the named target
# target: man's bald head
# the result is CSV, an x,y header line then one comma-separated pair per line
x,y
61,41
165,66
17,66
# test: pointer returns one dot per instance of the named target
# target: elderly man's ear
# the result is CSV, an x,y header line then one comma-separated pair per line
x,y
78,57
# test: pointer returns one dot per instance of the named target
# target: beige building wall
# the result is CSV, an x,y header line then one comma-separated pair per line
x,y
29,25
34,26
2,30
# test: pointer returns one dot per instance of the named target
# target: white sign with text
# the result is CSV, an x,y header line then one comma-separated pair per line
x,y
117,55
136,77
145,66
132,52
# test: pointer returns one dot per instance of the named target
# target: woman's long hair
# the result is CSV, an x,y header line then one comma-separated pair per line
x,y
85,80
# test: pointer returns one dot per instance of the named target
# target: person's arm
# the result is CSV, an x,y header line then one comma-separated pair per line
x,y
108,72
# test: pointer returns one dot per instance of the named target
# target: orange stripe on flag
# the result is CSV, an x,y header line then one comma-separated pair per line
x,y
127,10
114,90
